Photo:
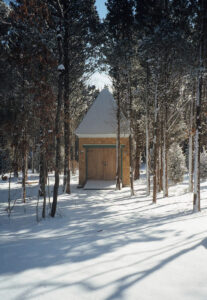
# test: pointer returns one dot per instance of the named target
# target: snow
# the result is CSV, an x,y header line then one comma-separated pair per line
x,y
100,120
100,185
104,244
61,67
59,36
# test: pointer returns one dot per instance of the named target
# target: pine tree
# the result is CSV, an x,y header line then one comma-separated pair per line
x,y
77,23
176,163
119,50
201,43
163,35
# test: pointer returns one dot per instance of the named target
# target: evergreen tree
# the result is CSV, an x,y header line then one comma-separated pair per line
x,y
200,39
164,43
79,21
176,163
119,50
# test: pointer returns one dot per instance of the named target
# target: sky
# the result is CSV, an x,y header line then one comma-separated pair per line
x,y
101,7
100,79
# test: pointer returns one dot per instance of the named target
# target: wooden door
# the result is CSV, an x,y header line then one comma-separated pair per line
x,y
101,163
109,161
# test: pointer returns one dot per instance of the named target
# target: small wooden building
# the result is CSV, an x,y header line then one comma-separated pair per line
x,y
97,142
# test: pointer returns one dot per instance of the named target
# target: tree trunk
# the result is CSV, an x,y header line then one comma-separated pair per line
x,y
137,156
131,139
118,144
158,169
190,163
66,103
165,170
58,130
43,187
26,165
196,193
202,64
73,165
15,161
24,138
164,157
33,153
155,146
160,159
24,173
137,164
190,147
147,137
42,175
131,165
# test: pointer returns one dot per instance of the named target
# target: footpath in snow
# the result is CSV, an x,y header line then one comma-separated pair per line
x,y
104,245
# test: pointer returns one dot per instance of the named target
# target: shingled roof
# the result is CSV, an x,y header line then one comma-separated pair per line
x,y
100,120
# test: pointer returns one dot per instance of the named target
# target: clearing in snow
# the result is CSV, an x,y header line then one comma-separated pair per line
x,y
104,244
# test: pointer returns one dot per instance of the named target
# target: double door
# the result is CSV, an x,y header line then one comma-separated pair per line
x,y
101,163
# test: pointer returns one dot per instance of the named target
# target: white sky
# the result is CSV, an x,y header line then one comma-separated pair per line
x,y
100,80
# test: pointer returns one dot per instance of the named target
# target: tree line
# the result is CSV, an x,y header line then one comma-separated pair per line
x,y
156,55
48,50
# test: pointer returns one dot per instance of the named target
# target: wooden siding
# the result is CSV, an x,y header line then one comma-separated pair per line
x,y
100,157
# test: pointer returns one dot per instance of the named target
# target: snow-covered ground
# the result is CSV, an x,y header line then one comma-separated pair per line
x,y
104,245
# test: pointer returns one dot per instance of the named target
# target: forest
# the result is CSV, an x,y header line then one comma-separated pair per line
x,y
145,240
155,53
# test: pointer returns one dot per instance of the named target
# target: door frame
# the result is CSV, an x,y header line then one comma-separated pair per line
x,y
88,146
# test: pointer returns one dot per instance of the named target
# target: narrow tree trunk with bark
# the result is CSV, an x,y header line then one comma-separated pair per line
x,y
161,160
24,173
33,154
147,154
202,64
131,140
58,128
155,154
137,164
165,173
118,144
164,156
73,161
147,137
42,175
66,103
158,168
137,155
190,151
190,163
15,160
26,164
196,193
44,180
24,138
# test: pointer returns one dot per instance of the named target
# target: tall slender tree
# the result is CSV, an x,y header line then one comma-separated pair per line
x,y
118,50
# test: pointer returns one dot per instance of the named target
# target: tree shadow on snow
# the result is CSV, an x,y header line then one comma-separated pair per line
x,y
92,225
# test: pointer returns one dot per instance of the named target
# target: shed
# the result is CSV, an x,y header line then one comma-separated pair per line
x,y
97,135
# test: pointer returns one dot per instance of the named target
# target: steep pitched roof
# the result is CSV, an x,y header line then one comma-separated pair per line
x,y
100,120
